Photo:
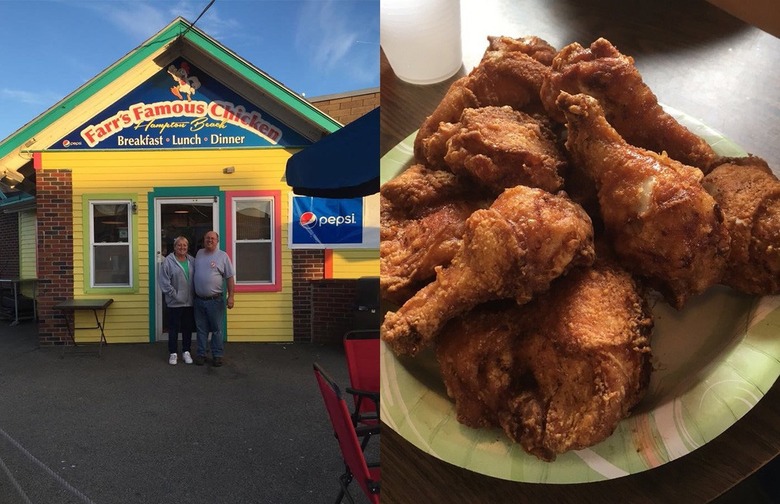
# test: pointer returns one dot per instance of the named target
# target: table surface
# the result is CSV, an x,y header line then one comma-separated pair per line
x,y
84,304
697,59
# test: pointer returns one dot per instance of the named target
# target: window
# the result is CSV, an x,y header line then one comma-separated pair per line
x,y
110,243
254,239
254,252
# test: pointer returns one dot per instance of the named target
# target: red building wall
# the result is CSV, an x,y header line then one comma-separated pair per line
x,y
307,266
333,309
347,107
55,252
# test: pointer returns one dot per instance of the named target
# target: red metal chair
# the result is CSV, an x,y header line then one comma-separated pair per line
x,y
361,348
355,465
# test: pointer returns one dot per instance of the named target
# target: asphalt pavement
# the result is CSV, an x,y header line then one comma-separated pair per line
x,y
127,427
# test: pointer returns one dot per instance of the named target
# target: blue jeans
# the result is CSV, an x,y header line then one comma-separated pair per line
x,y
209,314
180,320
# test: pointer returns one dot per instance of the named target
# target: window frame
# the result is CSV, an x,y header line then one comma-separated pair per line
x,y
88,204
274,196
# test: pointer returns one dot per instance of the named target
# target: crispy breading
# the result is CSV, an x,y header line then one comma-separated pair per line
x,y
630,106
533,46
558,373
749,195
423,216
661,222
514,249
499,147
508,74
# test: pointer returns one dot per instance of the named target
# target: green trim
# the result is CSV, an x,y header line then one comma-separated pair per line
x,y
86,199
144,51
15,199
184,192
67,104
265,82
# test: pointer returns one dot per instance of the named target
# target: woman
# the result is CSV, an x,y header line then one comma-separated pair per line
x,y
175,280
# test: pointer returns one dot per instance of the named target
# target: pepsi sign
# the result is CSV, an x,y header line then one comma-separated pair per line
x,y
326,222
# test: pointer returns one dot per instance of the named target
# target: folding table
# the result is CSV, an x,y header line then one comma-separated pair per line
x,y
69,308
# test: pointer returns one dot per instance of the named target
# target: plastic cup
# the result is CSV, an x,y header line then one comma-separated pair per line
x,y
421,39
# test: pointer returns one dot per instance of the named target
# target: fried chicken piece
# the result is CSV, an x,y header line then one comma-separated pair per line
x,y
511,76
582,190
432,151
558,373
412,249
661,222
499,147
514,249
749,194
423,216
531,45
417,189
508,74
629,105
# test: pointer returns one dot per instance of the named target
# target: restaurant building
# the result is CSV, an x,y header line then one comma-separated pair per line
x,y
179,137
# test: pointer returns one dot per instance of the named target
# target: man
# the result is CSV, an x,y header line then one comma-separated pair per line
x,y
213,269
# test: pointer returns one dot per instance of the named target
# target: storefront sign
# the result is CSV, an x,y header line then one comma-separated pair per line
x,y
325,222
181,107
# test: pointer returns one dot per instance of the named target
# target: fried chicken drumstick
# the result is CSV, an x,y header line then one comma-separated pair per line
x,y
630,106
749,194
661,222
558,373
513,249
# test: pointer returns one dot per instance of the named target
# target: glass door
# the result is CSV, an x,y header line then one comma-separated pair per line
x,y
188,217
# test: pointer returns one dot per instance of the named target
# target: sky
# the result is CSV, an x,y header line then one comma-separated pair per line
x,y
52,47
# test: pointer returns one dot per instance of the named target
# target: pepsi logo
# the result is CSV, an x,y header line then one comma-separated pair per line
x,y
308,220
66,143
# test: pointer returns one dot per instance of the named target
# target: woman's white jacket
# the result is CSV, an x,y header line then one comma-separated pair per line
x,y
178,290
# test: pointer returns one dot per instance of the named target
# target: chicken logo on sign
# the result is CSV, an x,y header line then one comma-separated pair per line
x,y
185,83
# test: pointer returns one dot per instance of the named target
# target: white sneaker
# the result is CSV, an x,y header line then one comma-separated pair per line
x,y
187,358
172,359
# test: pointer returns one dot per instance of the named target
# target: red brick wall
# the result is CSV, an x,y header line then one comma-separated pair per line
x,y
322,309
332,308
55,252
9,252
347,107
307,265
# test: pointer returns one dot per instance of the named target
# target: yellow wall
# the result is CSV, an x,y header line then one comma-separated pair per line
x,y
257,316
27,249
349,263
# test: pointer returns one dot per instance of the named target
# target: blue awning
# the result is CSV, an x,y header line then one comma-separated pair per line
x,y
344,164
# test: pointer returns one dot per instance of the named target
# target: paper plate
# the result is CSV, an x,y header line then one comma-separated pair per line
x,y
713,361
